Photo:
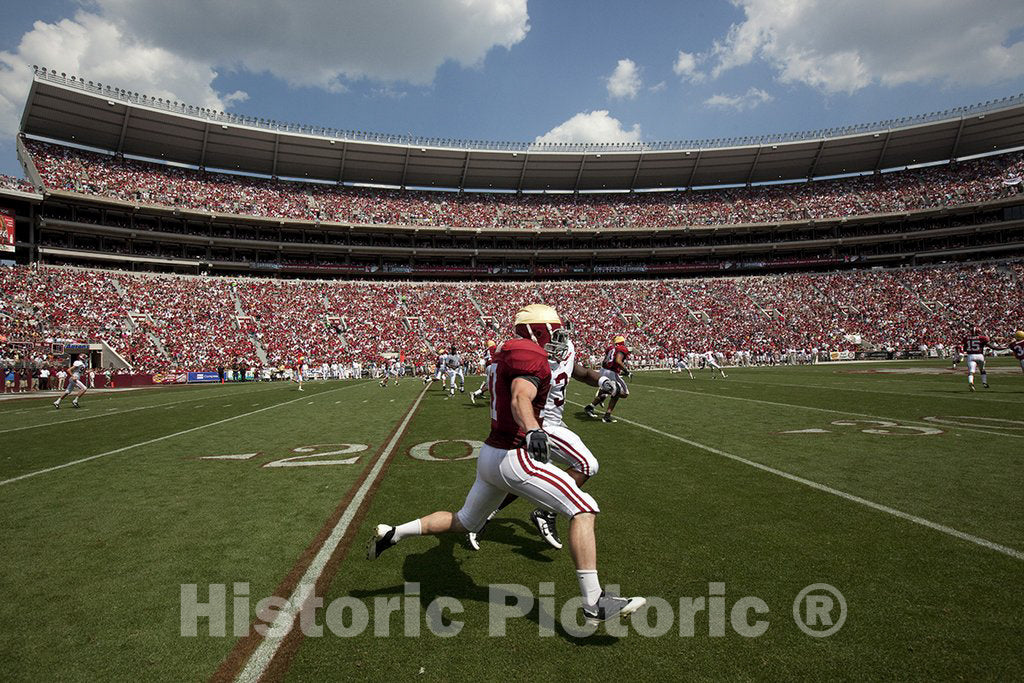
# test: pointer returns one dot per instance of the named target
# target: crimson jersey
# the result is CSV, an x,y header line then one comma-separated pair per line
x,y
1018,349
610,363
515,358
975,344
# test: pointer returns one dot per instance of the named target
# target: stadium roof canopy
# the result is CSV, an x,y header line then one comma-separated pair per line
x,y
86,113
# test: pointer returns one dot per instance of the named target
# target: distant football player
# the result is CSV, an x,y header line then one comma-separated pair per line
x,y
453,367
711,361
78,368
958,356
566,446
515,459
614,368
683,362
390,370
439,371
300,371
974,346
1017,346
488,362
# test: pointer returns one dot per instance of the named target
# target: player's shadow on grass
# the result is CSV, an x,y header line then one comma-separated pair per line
x,y
439,573
582,416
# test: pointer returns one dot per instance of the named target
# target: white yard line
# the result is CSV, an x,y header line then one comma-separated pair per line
x,y
285,621
710,394
165,437
942,528
106,413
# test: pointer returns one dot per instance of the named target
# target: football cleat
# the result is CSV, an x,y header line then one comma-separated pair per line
x,y
473,537
56,405
610,605
382,539
972,387
608,418
985,384
589,410
546,525
75,403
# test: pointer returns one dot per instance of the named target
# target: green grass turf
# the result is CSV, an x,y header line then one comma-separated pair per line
x,y
95,553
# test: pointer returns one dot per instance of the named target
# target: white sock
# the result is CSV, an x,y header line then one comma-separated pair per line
x,y
413,528
590,587
970,379
984,378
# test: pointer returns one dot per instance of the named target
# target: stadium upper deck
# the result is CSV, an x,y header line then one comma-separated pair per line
x,y
75,110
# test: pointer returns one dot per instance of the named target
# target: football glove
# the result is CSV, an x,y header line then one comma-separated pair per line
x,y
626,372
537,445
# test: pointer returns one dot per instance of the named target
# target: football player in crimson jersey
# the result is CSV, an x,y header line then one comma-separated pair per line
x,y
613,367
1017,346
488,364
974,346
567,448
515,459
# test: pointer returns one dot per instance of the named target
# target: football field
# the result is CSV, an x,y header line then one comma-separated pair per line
x,y
848,520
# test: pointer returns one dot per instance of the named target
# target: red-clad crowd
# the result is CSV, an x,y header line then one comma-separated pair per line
x,y
8,182
171,322
73,170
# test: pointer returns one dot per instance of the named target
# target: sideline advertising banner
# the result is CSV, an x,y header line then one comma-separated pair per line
x,y
203,377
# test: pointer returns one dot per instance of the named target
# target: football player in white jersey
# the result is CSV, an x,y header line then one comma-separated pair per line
x,y
439,370
711,362
453,366
78,368
301,370
488,370
567,447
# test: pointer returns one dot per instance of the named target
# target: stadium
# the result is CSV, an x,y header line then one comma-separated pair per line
x,y
799,420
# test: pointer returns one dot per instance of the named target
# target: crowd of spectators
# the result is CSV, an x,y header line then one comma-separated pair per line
x,y
965,182
169,322
8,182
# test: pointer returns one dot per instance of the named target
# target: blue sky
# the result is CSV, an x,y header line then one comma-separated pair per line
x,y
518,70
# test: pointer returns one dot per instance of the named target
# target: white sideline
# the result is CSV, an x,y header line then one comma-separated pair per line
x,y
166,436
950,531
285,621
704,394
106,413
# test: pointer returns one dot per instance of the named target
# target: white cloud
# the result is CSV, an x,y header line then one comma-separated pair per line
x,y
91,46
658,87
625,80
845,46
326,43
593,126
686,67
754,97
